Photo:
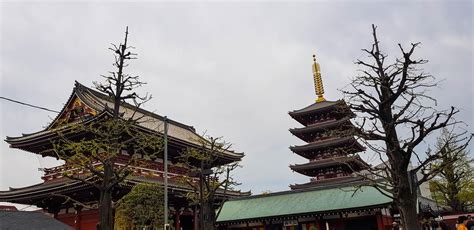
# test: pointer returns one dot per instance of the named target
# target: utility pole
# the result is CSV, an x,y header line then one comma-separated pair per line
x,y
165,162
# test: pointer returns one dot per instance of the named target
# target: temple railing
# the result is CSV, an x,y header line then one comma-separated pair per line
x,y
145,168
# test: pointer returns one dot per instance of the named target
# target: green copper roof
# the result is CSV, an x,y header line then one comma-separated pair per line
x,y
301,202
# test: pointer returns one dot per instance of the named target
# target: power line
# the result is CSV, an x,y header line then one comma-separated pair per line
x,y
30,105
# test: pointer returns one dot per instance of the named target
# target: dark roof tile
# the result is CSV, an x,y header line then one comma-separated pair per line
x,y
21,220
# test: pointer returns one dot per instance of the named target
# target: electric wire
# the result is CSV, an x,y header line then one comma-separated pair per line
x,y
30,105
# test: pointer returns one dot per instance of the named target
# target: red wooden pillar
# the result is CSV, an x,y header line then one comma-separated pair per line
x,y
177,220
195,219
77,219
320,225
379,217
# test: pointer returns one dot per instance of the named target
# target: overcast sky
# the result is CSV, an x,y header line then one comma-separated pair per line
x,y
234,69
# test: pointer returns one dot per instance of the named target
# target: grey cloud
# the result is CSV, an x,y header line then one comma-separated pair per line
x,y
233,69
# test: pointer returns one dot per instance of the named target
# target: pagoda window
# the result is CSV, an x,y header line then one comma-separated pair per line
x,y
330,171
323,135
314,118
340,172
322,117
316,157
327,154
304,120
320,172
320,154
326,117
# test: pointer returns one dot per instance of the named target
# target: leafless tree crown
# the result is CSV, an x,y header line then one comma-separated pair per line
x,y
396,113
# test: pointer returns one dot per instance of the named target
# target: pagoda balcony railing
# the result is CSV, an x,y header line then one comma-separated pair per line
x,y
321,121
153,169
327,156
324,139
330,176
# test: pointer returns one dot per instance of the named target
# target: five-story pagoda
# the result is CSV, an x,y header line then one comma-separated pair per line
x,y
330,145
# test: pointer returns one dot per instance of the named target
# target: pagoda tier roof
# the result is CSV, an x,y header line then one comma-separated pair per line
x,y
42,192
344,180
99,105
320,127
308,168
328,143
318,108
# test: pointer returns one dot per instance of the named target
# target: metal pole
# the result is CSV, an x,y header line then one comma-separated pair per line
x,y
201,197
165,162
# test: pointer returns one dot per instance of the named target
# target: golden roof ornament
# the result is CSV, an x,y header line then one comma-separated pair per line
x,y
318,81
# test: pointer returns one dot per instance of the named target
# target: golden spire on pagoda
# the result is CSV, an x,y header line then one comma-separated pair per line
x,y
318,81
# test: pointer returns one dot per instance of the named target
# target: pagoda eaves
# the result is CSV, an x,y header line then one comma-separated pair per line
x,y
329,143
309,169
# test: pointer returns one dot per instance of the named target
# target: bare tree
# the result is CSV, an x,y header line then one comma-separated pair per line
x,y
396,115
97,145
215,180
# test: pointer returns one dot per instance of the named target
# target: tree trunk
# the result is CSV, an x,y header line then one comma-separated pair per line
x,y
407,203
105,202
452,187
209,216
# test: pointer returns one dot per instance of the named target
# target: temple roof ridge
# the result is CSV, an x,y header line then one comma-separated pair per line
x,y
84,89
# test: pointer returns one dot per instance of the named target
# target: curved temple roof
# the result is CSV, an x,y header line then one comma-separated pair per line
x,y
100,103
47,190
302,202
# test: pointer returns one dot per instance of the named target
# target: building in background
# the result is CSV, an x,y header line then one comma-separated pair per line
x,y
87,105
14,219
335,198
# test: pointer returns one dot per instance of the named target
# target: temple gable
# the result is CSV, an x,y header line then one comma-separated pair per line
x,y
75,110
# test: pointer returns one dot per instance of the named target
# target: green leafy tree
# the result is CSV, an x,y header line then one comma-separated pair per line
x,y
209,179
454,185
141,208
100,150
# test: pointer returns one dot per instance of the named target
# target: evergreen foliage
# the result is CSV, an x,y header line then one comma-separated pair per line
x,y
141,208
